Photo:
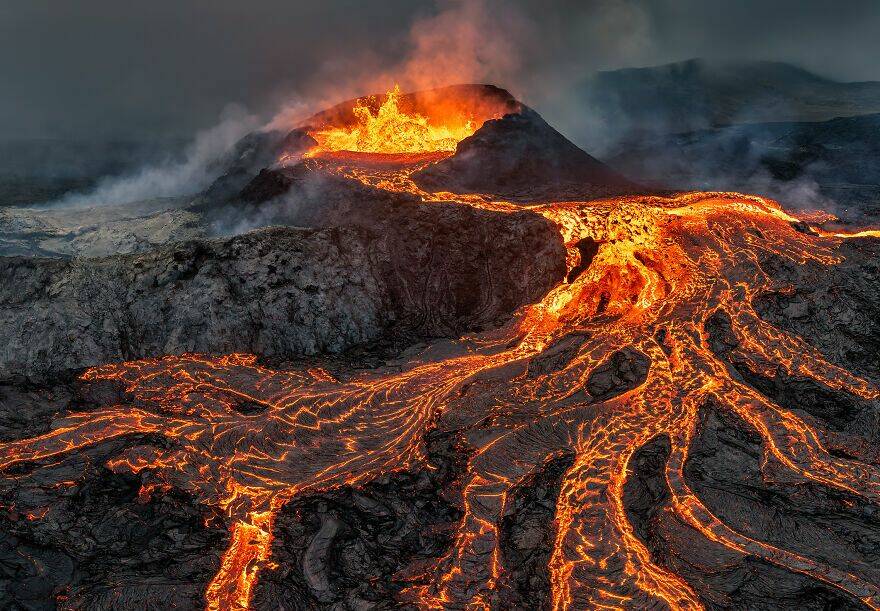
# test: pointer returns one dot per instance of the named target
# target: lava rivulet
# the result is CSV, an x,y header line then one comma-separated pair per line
x,y
248,438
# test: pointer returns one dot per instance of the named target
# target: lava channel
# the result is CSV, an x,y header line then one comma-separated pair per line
x,y
661,269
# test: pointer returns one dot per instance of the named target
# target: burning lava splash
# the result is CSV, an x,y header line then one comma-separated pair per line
x,y
392,131
247,438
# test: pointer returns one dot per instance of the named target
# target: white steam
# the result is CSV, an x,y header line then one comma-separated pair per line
x,y
172,178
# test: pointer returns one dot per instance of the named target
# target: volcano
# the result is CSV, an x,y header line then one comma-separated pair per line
x,y
484,141
467,367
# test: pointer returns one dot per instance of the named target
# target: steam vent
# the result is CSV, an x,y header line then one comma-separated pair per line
x,y
421,351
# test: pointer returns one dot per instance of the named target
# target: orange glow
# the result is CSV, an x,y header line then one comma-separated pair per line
x,y
231,588
865,233
391,130
663,264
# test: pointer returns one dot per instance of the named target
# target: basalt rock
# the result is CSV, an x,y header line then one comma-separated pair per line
x,y
725,472
423,271
835,308
520,156
87,538
361,547
253,153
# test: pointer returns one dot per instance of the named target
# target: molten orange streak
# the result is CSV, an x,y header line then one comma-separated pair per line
x,y
867,233
232,586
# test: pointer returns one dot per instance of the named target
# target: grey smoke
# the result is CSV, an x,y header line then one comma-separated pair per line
x,y
165,68
200,166
297,207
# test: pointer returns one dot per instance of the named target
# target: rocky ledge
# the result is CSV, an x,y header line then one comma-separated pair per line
x,y
423,271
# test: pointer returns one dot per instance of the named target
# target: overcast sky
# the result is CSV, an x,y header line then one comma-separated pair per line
x,y
105,68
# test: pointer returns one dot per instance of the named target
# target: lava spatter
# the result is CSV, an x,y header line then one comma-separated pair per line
x,y
660,264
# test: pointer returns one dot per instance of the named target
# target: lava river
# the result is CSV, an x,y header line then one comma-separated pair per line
x,y
645,275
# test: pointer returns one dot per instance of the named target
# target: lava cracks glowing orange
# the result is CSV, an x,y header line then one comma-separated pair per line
x,y
392,131
248,438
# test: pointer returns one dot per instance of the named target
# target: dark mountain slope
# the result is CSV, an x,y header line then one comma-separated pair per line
x,y
697,94
834,162
522,156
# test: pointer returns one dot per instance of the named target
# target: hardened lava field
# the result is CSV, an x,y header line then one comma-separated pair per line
x,y
655,424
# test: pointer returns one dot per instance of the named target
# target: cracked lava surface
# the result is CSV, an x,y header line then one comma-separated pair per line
x,y
660,268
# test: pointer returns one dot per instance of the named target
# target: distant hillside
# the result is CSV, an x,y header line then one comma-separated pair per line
x,y
36,171
804,164
698,94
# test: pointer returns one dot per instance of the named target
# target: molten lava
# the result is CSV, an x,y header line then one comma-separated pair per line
x,y
663,266
391,130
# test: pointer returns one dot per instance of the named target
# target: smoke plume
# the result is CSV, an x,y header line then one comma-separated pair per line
x,y
201,164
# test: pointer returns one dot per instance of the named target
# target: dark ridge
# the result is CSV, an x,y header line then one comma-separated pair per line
x,y
829,164
726,469
700,93
838,410
300,195
722,578
622,371
587,247
557,356
521,157
266,185
527,536
249,157
645,492
359,547
661,336
834,308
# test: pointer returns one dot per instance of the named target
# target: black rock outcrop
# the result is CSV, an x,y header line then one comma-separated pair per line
x,y
520,156
398,268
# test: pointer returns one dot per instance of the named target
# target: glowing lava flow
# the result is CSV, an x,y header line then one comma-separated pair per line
x,y
232,585
662,268
392,130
